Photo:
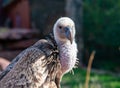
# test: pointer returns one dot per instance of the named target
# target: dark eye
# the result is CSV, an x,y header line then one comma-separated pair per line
x,y
60,27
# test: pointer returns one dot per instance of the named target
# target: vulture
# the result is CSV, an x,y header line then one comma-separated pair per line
x,y
43,64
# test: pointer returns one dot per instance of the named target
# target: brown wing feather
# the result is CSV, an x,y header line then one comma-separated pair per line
x,y
35,67
27,71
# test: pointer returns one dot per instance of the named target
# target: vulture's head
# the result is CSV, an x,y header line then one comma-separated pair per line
x,y
64,30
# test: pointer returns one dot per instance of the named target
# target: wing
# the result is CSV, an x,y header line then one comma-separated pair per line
x,y
51,84
26,70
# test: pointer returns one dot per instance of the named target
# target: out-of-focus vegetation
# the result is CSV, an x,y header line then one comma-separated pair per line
x,y
101,22
97,80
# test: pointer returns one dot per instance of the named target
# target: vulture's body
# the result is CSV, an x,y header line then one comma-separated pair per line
x,y
43,64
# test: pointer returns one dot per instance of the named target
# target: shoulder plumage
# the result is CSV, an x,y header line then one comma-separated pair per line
x,y
42,54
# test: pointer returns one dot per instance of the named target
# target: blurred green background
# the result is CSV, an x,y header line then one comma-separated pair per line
x,y
101,20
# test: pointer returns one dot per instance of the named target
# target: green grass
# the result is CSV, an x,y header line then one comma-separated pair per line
x,y
96,80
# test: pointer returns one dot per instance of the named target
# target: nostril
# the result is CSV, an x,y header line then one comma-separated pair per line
x,y
66,29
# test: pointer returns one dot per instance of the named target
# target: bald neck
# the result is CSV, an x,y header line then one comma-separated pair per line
x,y
68,53
60,43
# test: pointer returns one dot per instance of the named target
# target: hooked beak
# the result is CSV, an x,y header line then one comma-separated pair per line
x,y
68,33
